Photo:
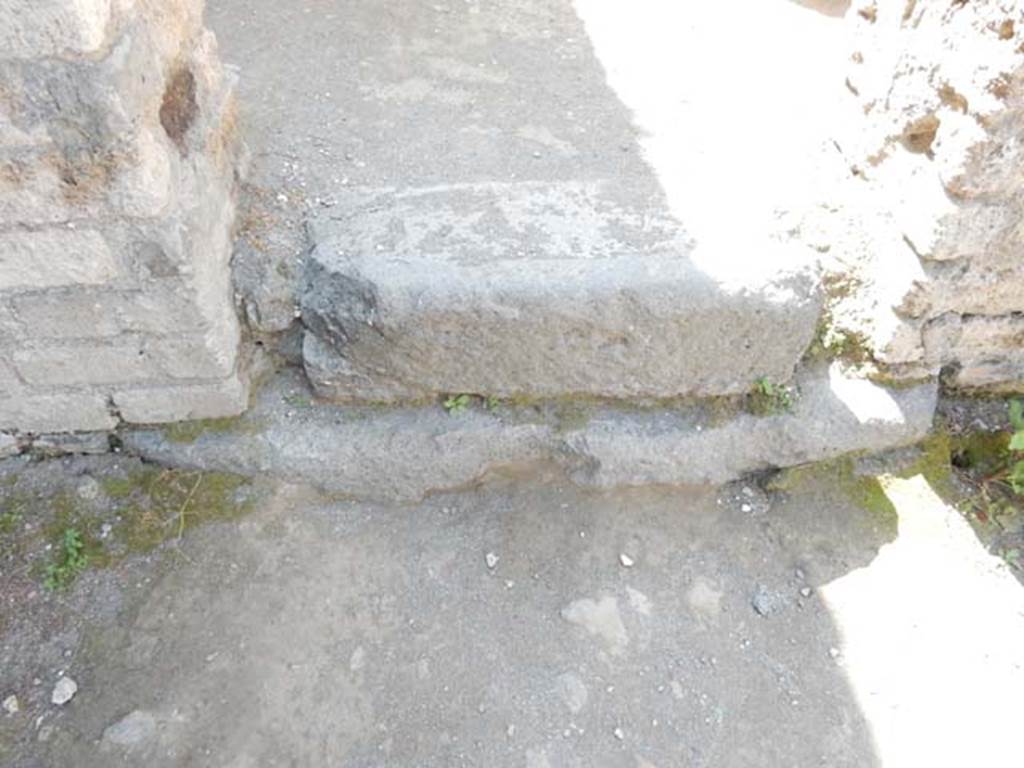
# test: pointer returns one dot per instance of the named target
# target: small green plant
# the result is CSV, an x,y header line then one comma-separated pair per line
x,y
71,560
1012,556
769,397
9,521
298,401
457,403
1015,469
491,402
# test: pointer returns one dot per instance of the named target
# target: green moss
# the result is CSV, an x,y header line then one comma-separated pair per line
x,y
934,464
865,491
768,398
118,487
190,431
9,522
982,452
163,503
831,342
886,379
571,416
152,505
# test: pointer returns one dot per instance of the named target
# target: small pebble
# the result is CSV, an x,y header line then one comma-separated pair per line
x,y
11,705
626,560
133,729
619,734
833,652
805,591
64,691
766,601
746,508
491,559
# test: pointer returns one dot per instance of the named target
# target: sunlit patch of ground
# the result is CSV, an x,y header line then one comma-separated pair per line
x,y
933,639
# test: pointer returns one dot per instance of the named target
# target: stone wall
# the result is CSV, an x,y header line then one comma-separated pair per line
x,y
924,211
118,155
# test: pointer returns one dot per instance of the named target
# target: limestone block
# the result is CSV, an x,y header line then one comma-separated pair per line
x,y
55,257
974,340
31,28
133,179
56,413
9,383
169,307
208,355
10,329
76,364
90,139
227,397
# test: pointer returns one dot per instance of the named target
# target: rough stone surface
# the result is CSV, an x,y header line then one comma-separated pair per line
x,y
928,132
53,258
519,232
30,28
56,413
71,443
405,453
555,290
832,415
118,154
365,452
182,402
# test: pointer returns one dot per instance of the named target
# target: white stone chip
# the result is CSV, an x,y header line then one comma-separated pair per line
x,y
64,691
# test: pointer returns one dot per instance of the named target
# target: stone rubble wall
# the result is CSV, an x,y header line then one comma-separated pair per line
x,y
118,159
924,212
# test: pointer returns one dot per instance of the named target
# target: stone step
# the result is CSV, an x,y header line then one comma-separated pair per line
x,y
540,289
406,453
543,199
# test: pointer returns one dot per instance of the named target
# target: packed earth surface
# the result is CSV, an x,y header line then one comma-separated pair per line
x,y
843,615
577,435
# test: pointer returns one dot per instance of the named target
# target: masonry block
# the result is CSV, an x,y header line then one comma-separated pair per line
x,y
9,383
31,28
118,156
226,397
54,257
168,307
56,413
77,364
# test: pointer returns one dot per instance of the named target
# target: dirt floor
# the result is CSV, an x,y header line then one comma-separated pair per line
x,y
835,619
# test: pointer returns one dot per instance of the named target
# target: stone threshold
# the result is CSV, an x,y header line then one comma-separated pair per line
x,y
405,453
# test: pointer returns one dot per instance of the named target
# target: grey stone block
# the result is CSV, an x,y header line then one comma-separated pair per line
x,y
541,290
366,452
72,442
404,453
832,415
